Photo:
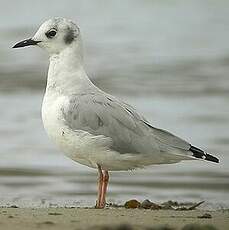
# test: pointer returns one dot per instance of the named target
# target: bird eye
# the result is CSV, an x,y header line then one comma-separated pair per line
x,y
51,33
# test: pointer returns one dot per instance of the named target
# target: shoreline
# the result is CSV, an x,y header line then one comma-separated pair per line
x,y
90,218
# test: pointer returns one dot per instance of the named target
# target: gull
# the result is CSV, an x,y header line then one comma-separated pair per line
x,y
92,127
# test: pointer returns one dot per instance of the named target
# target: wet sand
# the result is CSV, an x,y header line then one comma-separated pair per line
x,y
88,218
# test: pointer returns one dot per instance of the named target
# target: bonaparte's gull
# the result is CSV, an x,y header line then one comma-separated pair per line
x,y
91,126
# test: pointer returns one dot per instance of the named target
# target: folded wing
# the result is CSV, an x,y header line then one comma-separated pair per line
x,y
102,114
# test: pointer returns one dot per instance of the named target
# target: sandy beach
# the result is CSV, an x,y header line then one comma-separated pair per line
x,y
89,218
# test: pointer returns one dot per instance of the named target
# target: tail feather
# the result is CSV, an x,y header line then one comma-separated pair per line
x,y
198,153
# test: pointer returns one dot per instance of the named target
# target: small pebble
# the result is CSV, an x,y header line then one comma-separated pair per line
x,y
132,204
48,222
13,206
55,213
155,206
146,204
205,216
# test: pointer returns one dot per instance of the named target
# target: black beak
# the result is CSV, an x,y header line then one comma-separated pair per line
x,y
27,42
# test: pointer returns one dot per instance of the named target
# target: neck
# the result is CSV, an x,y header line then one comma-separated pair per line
x,y
66,73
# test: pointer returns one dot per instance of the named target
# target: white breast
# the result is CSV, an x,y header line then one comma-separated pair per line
x,y
78,145
51,114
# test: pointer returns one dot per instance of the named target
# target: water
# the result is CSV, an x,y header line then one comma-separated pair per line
x,y
169,59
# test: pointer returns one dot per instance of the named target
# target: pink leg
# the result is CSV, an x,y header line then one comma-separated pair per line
x,y
100,184
104,189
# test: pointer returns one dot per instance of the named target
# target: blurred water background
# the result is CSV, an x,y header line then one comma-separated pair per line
x,y
168,58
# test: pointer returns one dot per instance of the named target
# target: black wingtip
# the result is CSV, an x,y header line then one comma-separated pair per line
x,y
198,153
211,158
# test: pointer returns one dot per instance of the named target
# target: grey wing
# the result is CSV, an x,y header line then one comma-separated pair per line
x,y
102,114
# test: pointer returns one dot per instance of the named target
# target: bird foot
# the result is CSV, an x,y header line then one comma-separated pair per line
x,y
100,205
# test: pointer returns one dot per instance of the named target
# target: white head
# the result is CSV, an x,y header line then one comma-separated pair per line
x,y
55,35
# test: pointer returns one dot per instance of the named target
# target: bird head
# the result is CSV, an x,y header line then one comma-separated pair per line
x,y
54,36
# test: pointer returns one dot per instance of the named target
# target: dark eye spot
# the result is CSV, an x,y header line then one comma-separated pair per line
x,y
51,33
